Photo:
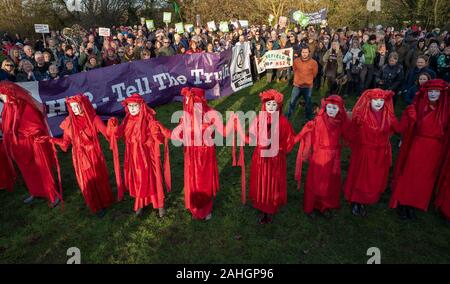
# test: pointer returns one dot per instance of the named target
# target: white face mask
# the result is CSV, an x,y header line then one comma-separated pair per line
x,y
332,110
271,106
3,98
377,104
134,108
76,108
434,95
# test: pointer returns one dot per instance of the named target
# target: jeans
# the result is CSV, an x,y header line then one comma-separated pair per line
x,y
306,93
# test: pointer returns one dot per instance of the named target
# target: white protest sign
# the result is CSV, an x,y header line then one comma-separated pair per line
x,y
212,26
243,23
167,17
150,24
41,28
104,32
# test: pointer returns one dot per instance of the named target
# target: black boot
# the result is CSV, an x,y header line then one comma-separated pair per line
x,y
362,210
313,215
262,219
401,211
411,213
355,209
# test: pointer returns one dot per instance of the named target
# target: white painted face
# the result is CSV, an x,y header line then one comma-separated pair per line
x,y
332,110
433,95
271,106
134,108
76,108
3,98
377,104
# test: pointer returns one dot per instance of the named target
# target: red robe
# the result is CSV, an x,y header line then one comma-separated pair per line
x,y
443,194
7,172
23,123
201,174
268,184
422,152
415,184
371,156
143,171
323,181
88,160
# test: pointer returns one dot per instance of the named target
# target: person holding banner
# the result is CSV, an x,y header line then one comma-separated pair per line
x,y
143,172
80,130
320,145
23,125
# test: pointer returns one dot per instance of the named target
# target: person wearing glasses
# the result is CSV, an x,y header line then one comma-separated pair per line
x,y
7,71
166,49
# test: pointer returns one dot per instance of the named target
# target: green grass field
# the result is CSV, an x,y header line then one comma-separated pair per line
x,y
36,234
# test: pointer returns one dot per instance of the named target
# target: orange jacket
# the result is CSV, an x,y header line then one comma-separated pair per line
x,y
304,72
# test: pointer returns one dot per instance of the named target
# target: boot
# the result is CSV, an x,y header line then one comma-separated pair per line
x,y
355,209
401,211
101,214
139,212
411,213
55,203
29,199
262,219
362,210
162,212
327,214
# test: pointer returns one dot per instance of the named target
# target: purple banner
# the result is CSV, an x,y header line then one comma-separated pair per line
x,y
158,80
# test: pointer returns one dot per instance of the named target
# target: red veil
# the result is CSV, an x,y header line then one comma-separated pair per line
x,y
304,151
17,99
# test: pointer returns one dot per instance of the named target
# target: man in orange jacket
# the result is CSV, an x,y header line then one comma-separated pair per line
x,y
305,70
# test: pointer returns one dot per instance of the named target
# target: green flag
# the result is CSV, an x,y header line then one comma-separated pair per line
x,y
176,8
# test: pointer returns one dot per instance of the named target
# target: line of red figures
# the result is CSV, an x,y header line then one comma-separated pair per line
x,y
422,168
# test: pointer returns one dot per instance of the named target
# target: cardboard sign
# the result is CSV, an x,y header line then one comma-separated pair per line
x,y
41,28
150,25
104,32
179,28
167,17
212,26
223,27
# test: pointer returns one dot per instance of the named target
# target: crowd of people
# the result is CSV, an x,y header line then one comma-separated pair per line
x,y
378,65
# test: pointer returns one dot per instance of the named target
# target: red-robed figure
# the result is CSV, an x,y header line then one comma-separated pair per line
x,y
23,125
197,131
443,193
274,140
80,130
7,172
373,123
320,144
423,149
143,169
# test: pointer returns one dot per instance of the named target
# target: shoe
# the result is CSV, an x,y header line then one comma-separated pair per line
x,y
269,219
355,209
55,203
312,216
411,213
362,210
208,217
327,214
401,211
29,200
162,212
139,212
101,214
262,219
